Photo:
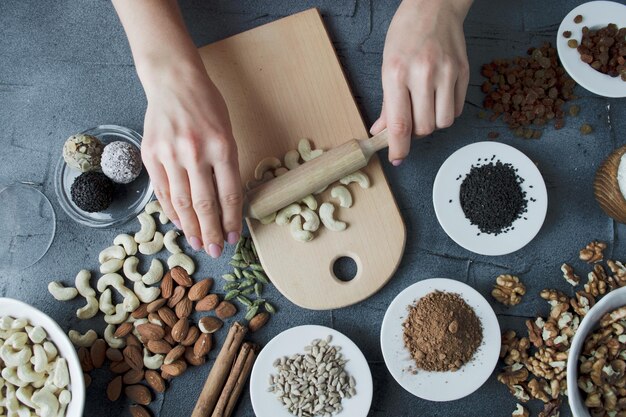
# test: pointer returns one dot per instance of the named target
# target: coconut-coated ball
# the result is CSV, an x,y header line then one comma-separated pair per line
x,y
121,161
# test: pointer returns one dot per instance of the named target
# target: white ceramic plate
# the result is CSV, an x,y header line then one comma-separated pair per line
x,y
595,14
439,386
292,341
608,303
18,309
450,214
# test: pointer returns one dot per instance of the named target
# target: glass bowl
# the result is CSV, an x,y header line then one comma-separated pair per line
x,y
129,199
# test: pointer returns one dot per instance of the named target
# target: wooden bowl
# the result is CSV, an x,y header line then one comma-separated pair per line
x,y
606,187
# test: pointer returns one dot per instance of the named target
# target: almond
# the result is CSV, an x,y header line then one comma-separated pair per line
x,y
149,331
154,318
210,324
98,353
133,357
200,289
203,345
175,368
133,376
192,359
87,379
139,394
258,321
180,329
174,354
131,340
181,276
137,410
140,312
155,381
159,346
114,355
123,330
114,389
85,359
179,294
119,367
183,308
166,376
168,316
192,336
208,303
225,310
167,285
168,336
156,305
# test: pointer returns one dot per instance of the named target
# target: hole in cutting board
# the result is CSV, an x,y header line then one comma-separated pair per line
x,y
345,268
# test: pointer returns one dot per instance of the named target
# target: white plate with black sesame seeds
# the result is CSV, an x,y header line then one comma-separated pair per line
x,y
595,14
293,341
471,216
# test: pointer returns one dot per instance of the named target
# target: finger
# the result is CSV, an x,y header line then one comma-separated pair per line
x,y
379,124
183,204
160,183
460,89
398,120
445,103
207,209
423,104
230,197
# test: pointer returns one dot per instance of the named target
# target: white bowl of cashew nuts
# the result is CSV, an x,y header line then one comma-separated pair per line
x,y
39,366
610,302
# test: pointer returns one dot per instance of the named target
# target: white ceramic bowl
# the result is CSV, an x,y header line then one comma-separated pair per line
x,y
608,303
289,342
18,309
595,14
439,386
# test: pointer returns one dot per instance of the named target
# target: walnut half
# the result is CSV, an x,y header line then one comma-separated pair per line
x,y
508,290
593,252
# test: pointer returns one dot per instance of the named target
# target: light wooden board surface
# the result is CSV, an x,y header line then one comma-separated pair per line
x,y
282,82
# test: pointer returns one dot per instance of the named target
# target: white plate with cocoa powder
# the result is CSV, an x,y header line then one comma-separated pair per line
x,y
439,386
595,14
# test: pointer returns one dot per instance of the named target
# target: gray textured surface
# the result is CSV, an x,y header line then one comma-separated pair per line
x,y
65,66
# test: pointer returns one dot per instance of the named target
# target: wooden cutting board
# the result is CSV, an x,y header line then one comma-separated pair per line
x,y
283,82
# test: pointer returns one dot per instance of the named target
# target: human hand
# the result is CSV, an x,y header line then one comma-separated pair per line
x,y
425,71
191,156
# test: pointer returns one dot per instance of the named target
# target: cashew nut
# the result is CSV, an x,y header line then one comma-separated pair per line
x,y
61,373
88,310
113,280
13,358
46,402
326,215
112,252
10,375
131,302
170,242
148,228
291,159
82,284
24,395
268,219
304,147
130,268
19,323
155,207
265,165
82,340
342,194
284,216
311,220
51,350
119,317
112,341
17,340
112,265
254,183
26,374
39,358
146,294
127,242
359,177
182,260
280,171
61,293
106,302
153,246
297,232
310,201
154,274
36,334
152,361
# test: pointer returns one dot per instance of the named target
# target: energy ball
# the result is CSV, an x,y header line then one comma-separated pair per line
x,y
83,152
121,161
92,192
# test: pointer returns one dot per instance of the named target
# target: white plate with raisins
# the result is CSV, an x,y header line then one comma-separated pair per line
x,y
593,15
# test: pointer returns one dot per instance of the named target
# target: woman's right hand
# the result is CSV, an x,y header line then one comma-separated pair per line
x,y
191,155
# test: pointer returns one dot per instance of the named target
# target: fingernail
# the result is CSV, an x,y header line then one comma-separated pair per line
x,y
396,162
214,250
195,243
233,237
177,224
374,126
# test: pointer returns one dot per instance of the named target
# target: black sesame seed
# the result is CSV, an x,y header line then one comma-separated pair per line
x,y
92,191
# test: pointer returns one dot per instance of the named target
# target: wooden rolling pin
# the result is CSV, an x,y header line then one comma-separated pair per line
x,y
313,175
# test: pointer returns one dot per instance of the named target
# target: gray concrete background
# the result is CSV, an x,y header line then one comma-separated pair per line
x,y
66,66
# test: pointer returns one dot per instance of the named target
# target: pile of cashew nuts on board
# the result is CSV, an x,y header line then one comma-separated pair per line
x,y
305,216
35,379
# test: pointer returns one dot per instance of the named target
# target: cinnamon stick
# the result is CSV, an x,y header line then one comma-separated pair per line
x,y
236,380
219,372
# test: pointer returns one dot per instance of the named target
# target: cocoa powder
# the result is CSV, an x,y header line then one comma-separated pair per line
x,y
442,332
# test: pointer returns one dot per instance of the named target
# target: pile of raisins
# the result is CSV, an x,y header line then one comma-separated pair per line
x,y
605,50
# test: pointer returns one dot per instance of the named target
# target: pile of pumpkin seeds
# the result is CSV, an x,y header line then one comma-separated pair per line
x,y
247,280
315,383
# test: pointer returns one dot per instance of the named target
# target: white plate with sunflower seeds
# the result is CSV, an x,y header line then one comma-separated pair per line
x,y
596,14
293,341
439,386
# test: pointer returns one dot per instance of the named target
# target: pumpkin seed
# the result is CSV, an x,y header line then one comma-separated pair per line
x,y
251,312
269,308
231,286
258,289
237,272
248,291
231,294
261,277
258,301
238,264
246,283
256,267
237,257
229,277
247,274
